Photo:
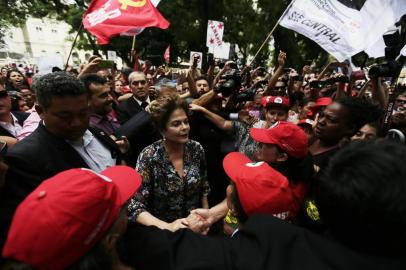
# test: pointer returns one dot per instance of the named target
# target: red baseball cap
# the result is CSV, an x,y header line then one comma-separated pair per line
x,y
275,100
289,137
304,122
320,102
66,215
261,189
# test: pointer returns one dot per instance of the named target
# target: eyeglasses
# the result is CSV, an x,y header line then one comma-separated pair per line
x,y
142,82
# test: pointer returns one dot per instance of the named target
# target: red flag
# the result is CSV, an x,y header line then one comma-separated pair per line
x,y
167,53
106,18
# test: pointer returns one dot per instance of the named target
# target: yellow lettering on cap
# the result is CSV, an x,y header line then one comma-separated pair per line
x,y
131,3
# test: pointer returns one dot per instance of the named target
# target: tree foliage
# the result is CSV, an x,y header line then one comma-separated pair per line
x,y
246,24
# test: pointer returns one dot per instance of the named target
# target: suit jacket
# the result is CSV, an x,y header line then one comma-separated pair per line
x,y
21,116
137,126
264,242
127,109
38,157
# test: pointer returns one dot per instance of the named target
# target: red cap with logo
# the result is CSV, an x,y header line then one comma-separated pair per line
x,y
287,136
261,189
66,215
275,100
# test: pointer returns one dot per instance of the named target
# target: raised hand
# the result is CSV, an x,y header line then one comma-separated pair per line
x,y
282,58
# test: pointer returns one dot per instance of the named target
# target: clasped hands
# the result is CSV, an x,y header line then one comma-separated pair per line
x,y
199,221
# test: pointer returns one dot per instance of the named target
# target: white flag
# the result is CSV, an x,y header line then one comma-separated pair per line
x,y
215,32
344,27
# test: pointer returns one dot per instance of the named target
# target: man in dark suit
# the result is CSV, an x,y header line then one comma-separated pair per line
x,y
140,99
63,140
131,108
10,122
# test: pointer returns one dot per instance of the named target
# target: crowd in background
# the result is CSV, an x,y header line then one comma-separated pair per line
x,y
211,149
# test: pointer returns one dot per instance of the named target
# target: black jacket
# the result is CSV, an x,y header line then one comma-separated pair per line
x,y
264,243
21,116
127,109
137,126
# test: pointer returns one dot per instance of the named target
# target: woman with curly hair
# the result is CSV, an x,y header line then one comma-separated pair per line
x,y
173,170
340,121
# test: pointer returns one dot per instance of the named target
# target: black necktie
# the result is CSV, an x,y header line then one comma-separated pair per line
x,y
144,104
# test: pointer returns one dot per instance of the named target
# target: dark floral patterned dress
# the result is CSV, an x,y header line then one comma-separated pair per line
x,y
163,192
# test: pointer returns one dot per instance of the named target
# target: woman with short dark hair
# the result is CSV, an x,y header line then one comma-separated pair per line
x,y
173,170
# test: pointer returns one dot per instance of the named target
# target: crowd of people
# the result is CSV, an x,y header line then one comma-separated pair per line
x,y
224,168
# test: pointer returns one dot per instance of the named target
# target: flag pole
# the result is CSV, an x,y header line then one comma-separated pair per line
x,y
132,48
73,45
273,29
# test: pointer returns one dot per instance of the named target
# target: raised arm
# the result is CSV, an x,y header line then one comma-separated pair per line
x,y
219,121
278,72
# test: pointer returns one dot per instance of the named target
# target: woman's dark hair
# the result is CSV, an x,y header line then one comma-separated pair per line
x,y
380,131
359,112
162,108
9,85
235,200
361,197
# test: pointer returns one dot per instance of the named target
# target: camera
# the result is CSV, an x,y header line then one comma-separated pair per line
x,y
247,95
317,84
232,82
387,69
394,40
341,79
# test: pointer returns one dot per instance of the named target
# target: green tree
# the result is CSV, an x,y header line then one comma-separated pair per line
x,y
246,24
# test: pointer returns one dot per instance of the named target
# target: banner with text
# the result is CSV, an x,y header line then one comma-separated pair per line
x,y
342,27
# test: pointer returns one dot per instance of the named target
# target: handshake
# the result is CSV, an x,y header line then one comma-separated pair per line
x,y
199,221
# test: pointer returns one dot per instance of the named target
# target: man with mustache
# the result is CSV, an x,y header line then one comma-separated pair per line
x,y
101,103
